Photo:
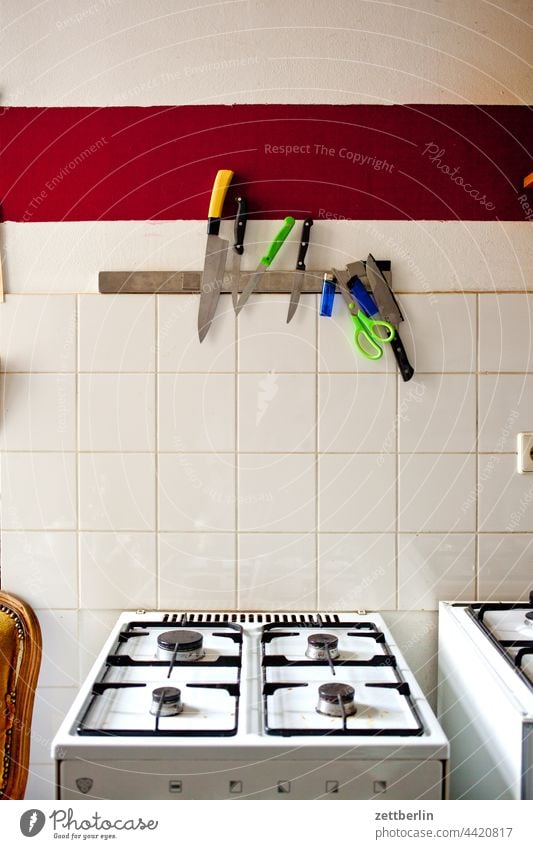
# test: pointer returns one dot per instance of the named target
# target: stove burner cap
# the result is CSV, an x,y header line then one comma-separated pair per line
x,y
166,701
320,645
166,694
332,692
529,618
182,640
336,700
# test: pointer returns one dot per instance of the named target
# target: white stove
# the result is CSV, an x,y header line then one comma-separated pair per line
x,y
486,698
250,706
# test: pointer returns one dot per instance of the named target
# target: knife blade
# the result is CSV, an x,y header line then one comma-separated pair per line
x,y
241,217
265,261
215,255
298,276
390,311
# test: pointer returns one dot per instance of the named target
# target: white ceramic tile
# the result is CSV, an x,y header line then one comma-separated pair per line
x,y
276,492
39,491
505,567
117,492
59,662
277,572
196,492
356,571
437,493
38,333
435,567
39,412
277,412
504,410
357,412
178,343
49,709
337,352
197,571
506,332
117,570
357,492
196,412
416,634
117,412
117,333
439,331
94,627
42,567
41,782
505,497
437,412
268,343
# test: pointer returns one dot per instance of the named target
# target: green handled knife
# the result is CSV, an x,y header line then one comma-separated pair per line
x,y
265,261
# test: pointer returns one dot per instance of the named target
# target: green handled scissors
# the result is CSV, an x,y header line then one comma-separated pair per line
x,y
369,337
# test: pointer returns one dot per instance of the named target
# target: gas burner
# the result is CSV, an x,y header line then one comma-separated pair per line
x,y
320,646
529,619
166,701
180,645
336,700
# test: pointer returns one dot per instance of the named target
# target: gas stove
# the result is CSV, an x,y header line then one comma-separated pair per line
x,y
486,697
250,706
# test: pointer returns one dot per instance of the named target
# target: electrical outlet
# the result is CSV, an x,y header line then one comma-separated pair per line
x,y
524,445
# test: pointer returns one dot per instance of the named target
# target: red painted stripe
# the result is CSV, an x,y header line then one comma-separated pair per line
x,y
360,162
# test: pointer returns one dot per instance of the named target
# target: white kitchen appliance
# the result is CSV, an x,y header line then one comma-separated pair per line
x,y
250,706
485,698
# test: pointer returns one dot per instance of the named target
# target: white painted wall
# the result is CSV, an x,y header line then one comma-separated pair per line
x,y
61,344
101,52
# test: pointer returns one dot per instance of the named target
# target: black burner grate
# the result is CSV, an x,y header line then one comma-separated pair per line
x,y
354,630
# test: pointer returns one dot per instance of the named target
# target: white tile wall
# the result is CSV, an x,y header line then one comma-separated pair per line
x,y
117,492
117,570
38,412
140,468
196,412
159,457
277,571
277,412
437,492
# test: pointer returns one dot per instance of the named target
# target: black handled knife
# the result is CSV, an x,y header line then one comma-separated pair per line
x,y
241,217
298,277
390,311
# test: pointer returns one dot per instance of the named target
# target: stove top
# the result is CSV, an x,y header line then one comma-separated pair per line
x,y
250,705
509,627
302,675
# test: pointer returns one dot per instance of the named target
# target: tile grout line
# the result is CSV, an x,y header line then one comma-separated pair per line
x,y
156,453
237,578
478,380
397,493
317,481
77,470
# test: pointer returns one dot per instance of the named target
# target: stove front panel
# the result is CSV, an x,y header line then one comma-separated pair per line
x,y
268,779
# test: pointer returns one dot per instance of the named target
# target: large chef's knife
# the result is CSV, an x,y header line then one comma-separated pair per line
x,y
241,218
389,311
265,261
298,276
215,255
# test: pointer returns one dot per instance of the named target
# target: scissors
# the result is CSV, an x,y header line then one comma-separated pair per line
x,y
369,337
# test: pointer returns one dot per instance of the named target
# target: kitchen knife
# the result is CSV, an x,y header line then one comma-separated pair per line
x,y
265,261
298,276
241,218
390,311
215,255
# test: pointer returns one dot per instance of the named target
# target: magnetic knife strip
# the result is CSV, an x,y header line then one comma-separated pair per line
x,y
189,282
